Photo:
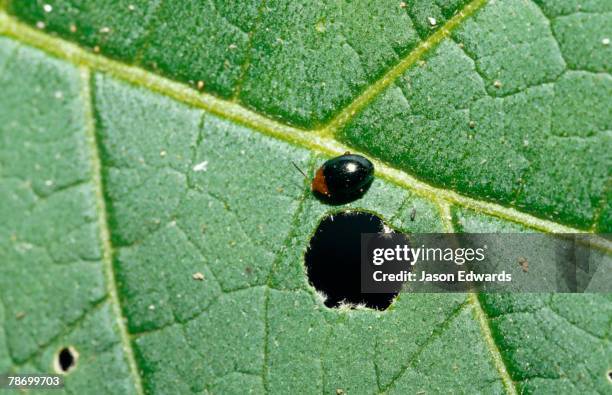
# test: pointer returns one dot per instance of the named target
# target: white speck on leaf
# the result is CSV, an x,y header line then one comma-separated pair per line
x,y
202,166
497,84
49,183
23,247
198,276
40,25
320,26
402,4
605,41
432,21
151,307
162,153
58,95
48,7
131,7
105,30
233,46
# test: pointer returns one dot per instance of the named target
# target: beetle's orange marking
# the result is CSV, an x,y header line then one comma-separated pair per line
x,y
319,184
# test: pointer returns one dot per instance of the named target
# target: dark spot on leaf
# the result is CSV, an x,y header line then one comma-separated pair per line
x,y
610,375
66,359
333,260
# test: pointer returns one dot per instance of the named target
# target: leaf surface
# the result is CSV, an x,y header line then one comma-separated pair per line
x,y
119,185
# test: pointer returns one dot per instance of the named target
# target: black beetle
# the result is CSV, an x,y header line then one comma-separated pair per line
x,y
343,179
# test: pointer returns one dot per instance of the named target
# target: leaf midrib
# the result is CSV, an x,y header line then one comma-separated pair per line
x,y
315,140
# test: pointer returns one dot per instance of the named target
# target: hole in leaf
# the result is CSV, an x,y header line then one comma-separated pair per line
x,y
610,375
66,360
333,260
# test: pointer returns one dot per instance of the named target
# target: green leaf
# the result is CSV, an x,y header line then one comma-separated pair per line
x,y
518,119
118,185
251,50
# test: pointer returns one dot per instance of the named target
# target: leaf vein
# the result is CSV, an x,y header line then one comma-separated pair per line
x,y
496,356
376,88
313,140
104,231
436,333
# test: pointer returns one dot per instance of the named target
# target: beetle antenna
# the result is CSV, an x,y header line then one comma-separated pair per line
x,y
300,170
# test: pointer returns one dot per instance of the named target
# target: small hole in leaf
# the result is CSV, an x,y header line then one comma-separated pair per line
x,y
333,260
66,360
610,375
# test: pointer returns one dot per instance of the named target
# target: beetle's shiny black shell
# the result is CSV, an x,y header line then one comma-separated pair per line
x,y
347,176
